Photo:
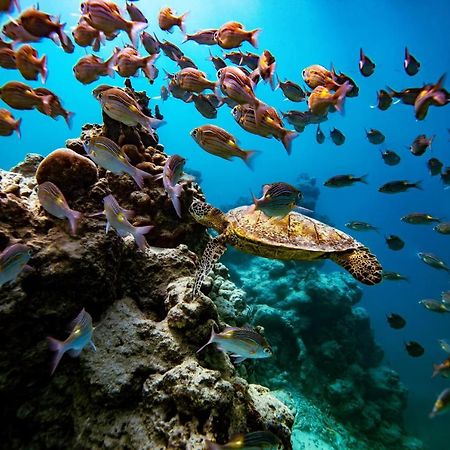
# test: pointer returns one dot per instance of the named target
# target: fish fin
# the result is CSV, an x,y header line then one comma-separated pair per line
x,y
287,139
108,227
110,63
340,95
17,127
57,347
133,30
260,109
253,37
139,176
278,84
96,45
46,103
153,123
210,340
43,69
435,370
74,217
93,346
238,359
363,179
138,235
249,157
303,210
212,445
158,177
73,353
181,21
175,194
68,118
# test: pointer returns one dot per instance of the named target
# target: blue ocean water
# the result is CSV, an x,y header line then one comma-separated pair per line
x,y
300,33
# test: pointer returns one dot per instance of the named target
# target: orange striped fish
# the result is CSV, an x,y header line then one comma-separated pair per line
x,y
219,142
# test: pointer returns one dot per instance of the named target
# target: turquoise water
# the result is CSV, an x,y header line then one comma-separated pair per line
x,y
301,33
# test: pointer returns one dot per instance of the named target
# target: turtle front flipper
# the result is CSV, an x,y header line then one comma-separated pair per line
x,y
214,250
361,264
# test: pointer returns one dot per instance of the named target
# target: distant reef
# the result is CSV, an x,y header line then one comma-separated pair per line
x,y
326,364
146,387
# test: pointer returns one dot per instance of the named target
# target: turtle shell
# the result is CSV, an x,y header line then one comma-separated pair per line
x,y
293,232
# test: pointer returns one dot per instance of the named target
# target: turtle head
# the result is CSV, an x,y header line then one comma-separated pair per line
x,y
208,216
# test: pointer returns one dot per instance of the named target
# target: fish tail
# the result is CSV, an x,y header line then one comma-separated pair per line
x,y
43,69
253,37
140,175
149,60
181,21
340,95
138,235
17,127
363,179
74,217
133,30
211,339
288,137
68,118
212,446
418,185
272,77
248,157
57,347
110,63
278,83
435,370
175,195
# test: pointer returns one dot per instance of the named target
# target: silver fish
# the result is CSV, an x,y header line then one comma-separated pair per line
x,y
120,106
107,154
117,218
173,169
80,337
13,260
241,343
54,202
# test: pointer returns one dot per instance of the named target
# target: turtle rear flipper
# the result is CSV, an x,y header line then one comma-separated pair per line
x,y
214,250
361,264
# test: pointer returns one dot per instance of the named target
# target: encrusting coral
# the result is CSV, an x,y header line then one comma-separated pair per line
x,y
145,387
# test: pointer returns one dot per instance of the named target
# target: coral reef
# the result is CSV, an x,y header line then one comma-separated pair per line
x,y
325,357
145,387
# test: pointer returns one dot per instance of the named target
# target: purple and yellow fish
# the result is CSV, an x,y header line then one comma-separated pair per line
x,y
54,202
173,169
117,218
107,154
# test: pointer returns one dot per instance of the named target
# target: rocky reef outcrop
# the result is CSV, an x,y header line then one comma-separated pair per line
x,y
326,364
145,387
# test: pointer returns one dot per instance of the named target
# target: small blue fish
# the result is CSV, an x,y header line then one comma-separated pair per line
x,y
241,343
54,202
12,261
107,154
118,219
173,169
278,199
80,336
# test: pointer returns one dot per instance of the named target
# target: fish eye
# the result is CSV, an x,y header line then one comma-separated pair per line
x,y
268,350
194,132
219,73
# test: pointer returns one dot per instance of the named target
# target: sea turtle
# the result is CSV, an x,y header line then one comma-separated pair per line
x,y
293,237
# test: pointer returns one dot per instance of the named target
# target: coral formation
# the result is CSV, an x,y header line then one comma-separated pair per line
x,y
145,386
325,357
